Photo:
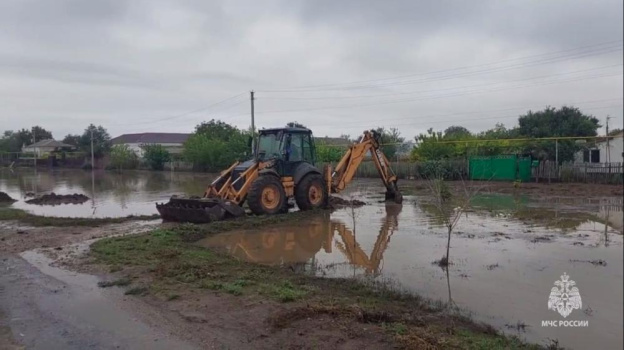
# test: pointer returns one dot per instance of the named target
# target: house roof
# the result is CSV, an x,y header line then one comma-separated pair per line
x,y
151,137
49,143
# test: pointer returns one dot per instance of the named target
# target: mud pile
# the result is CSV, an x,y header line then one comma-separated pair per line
x,y
337,203
5,198
57,199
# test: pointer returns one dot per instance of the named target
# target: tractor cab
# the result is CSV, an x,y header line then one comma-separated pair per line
x,y
288,147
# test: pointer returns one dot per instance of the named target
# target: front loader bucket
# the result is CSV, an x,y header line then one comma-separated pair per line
x,y
198,210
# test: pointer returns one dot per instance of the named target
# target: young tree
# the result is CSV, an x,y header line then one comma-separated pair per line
x,y
73,140
122,157
215,145
156,156
390,140
101,140
552,122
295,125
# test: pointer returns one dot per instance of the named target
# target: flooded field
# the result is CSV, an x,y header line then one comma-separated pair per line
x,y
506,256
506,253
111,194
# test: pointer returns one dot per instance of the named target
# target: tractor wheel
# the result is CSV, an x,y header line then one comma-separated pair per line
x,y
310,192
266,196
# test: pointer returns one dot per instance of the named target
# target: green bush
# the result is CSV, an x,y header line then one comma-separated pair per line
x,y
327,153
122,157
156,156
215,145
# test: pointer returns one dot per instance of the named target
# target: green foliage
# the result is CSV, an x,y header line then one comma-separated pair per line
x,y
122,157
215,145
14,141
551,122
390,140
156,156
101,141
428,147
328,153
615,131
73,140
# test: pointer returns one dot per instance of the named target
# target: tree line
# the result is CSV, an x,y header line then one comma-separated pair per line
x,y
214,145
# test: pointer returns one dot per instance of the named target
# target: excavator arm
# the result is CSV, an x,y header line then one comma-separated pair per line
x,y
338,178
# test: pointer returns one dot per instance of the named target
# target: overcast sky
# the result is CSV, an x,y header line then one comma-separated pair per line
x,y
338,67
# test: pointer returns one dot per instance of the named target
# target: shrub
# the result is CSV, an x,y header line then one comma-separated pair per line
x,y
156,156
122,157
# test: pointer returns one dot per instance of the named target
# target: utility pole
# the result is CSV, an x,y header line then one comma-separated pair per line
x,y
608,146
92,157
34,151
253,125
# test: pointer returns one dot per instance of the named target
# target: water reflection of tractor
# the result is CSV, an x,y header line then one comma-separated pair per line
x,y
292,245
282,168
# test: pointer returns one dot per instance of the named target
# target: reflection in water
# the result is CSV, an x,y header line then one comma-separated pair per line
x,y
112,194
297,245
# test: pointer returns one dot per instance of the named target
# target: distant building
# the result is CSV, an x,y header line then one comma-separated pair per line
x,y
46,146
173,142
600,153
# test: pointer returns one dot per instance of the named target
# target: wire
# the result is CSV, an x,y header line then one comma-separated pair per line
x,y
444,89
434,97
186,113
520,65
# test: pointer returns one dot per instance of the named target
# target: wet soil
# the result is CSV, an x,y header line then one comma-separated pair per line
x,y
336,202
59,199
5,198
529,188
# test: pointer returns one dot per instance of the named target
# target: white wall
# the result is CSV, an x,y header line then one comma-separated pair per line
x,y
172,147
616,147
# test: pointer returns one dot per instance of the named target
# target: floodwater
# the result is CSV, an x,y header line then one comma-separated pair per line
x,y
503,265
112,194
506,253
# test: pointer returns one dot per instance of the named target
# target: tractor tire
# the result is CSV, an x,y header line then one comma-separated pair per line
x,y
310,193
266,196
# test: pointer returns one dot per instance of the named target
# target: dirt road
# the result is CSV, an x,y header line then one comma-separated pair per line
x,y
54,309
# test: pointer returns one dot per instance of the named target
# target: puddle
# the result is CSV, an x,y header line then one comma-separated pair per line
x,y
503,264
110,194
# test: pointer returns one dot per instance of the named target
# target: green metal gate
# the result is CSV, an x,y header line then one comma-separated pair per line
x,y
508,167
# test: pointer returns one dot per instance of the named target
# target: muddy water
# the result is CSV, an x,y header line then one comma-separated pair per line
x,y
506,256
111,194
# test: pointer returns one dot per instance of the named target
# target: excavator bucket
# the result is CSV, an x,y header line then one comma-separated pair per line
x,y
393,194
198,210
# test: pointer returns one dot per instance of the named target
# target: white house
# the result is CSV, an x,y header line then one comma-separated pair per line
x,y
45,146
600,153
173,142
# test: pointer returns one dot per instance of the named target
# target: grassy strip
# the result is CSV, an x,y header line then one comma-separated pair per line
x,y
170,262
41,221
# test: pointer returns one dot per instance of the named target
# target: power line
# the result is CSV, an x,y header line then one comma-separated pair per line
x,y
345,86
429,117
436,97
186,113
444,89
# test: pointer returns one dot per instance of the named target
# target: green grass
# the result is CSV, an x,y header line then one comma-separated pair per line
x,y
171,262
477,341
118,282
45,221
137,291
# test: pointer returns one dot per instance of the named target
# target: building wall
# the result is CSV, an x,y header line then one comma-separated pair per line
x,y
173,148
38,150
616,147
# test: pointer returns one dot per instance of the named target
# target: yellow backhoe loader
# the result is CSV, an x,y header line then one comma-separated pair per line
x,y
283,167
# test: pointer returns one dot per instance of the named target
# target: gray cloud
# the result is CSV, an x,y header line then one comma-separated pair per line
x,y
129,65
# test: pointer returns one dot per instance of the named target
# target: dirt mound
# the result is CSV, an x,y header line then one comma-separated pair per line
x,y
5,198
337,203
57,199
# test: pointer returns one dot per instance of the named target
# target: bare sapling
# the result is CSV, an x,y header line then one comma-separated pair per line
x,y
449,206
